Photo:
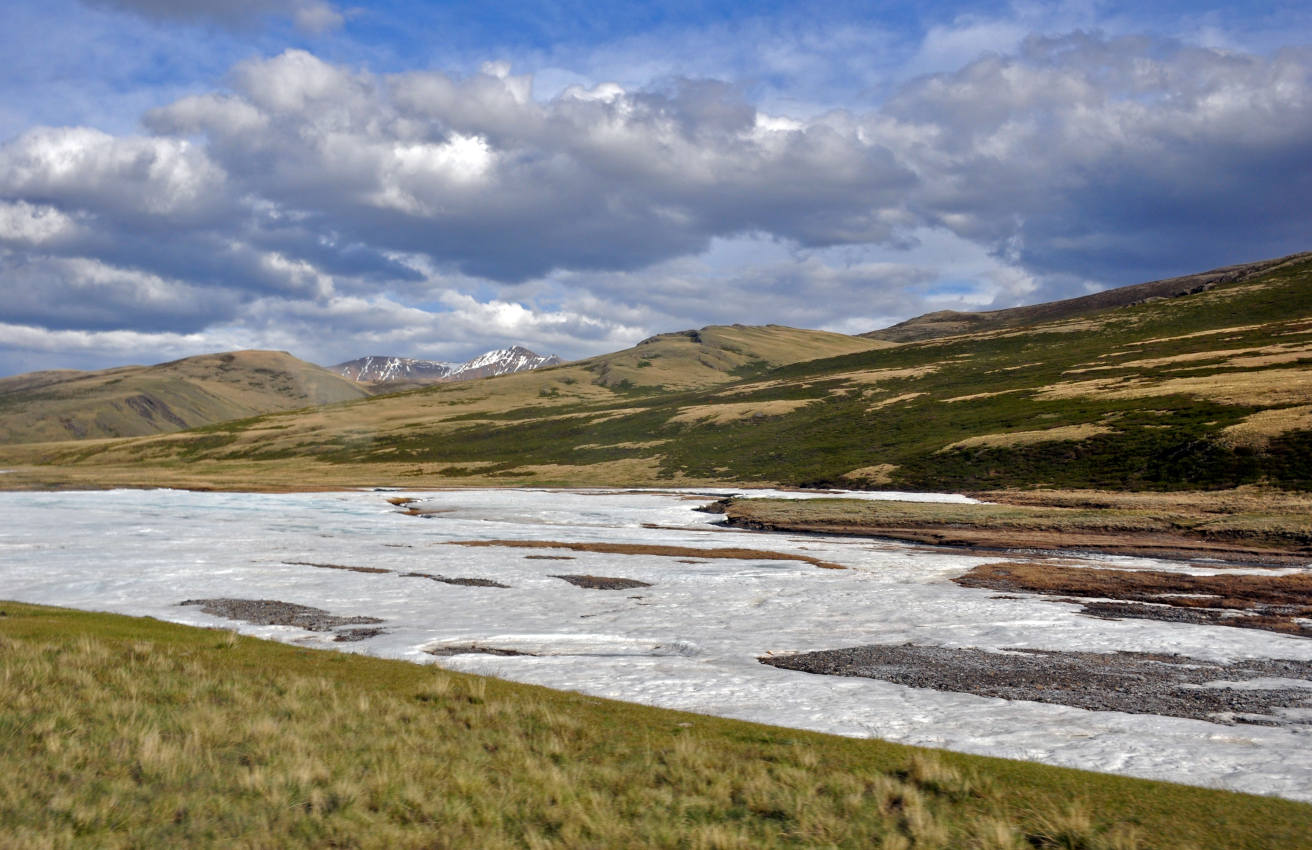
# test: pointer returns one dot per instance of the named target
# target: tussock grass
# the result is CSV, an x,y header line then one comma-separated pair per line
x,y
124,732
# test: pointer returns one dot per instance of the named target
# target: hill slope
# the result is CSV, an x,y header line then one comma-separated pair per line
x,y
1207,390
952,322
140,400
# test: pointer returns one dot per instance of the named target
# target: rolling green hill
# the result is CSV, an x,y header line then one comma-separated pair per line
x,y
953,322
138,400
1210,389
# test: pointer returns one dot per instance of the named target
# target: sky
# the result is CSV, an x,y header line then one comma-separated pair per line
x,y
438,179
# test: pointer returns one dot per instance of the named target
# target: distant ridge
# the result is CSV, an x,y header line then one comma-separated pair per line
x,y
952,322
134,401
380,369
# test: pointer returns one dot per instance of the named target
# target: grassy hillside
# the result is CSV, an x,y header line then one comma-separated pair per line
x,y
280,451
1203,391
953,322
139,400
124,732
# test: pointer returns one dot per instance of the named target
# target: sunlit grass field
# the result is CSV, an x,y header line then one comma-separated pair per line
x,y
124,732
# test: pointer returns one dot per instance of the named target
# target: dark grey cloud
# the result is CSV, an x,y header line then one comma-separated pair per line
x,y
1115,160
477,175
64,294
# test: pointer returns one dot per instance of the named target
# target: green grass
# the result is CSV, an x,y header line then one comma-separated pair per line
x,y
122,732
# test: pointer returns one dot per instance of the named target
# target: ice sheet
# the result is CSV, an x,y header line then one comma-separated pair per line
x,y
690,641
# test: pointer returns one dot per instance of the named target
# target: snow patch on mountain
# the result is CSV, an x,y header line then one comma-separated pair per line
x,y
380,369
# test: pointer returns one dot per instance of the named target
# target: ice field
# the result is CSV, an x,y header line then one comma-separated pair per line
x,y
689,641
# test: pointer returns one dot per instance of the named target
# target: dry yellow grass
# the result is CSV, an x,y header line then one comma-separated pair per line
x,y
1233,329
1236,358
1266,387
880,473
897,399
1260,361
302,474
974,396
1063,433
1257,430
644,444
870,377
718,414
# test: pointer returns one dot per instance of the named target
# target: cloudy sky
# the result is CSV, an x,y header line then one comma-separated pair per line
x,y
436,179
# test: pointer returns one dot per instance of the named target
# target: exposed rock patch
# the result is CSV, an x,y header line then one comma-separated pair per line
x,y
464,649
271,612
464,582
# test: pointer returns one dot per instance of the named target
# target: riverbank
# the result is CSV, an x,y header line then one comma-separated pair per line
x,y
1242,527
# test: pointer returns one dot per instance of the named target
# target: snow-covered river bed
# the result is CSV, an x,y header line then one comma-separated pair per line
x,y
690,640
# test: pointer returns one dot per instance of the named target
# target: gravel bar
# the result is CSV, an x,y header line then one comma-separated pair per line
x,y
1133,682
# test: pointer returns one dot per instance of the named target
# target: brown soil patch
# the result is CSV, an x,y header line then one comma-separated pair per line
x,y
337,567
603,582
1135,682
1272,603
464,582
735,554
467,582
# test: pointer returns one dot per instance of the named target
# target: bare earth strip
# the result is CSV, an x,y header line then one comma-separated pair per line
x,y
646,549
1273,603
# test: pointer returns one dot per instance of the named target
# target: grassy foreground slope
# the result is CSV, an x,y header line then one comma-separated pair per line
x,y
1207,390
132,401
123,732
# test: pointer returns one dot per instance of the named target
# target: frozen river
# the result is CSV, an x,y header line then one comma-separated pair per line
x,y
689,641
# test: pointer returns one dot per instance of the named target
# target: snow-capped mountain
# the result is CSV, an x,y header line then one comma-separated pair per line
x,y
390,370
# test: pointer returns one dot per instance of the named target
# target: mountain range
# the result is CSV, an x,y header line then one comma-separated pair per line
x,y
393,372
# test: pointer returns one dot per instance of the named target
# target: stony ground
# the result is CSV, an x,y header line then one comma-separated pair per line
x,y
1134,682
